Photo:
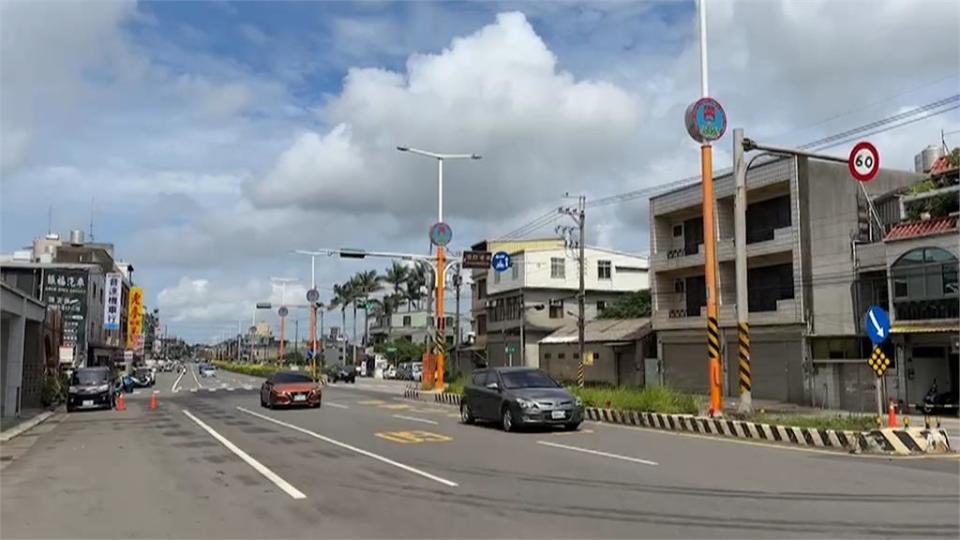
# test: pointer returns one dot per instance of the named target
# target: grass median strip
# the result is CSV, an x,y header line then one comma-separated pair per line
x,y
840,422
657,399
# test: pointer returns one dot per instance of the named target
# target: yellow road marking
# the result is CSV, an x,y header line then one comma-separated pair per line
x,y
372,402
395,407
412,437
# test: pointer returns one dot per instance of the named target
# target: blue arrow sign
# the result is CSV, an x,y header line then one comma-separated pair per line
x,y
500,261
877,323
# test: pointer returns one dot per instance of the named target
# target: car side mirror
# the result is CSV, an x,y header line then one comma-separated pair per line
x,y
493,386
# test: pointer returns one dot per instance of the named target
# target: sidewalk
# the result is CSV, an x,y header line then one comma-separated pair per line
x,y
12,426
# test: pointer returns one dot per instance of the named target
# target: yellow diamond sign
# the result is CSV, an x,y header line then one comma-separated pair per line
x,y
878,362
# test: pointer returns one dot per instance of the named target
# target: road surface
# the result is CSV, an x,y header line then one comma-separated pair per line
x,y
211,463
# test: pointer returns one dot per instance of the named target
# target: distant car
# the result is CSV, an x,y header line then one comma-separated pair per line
x,y
342,374
390,373
91,388
517,397
284,389
207,370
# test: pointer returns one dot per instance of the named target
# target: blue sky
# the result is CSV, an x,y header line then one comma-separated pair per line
x,y
212,138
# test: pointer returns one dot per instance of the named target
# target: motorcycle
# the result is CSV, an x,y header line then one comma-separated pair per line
x,y
934,400
125,385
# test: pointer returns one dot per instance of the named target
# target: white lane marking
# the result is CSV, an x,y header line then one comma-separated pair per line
x,y
247,387
229,389
414,419
597,453
360,451
194,373
194,389
337,405
257,466
176,382
211,389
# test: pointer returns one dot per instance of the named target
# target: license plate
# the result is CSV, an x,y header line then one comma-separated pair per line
x,y
557,414
300,397
87,403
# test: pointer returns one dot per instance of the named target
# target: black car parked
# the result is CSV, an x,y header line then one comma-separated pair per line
x,y
518,397
91,387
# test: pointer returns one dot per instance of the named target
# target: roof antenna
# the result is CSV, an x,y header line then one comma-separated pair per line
x,y
50,220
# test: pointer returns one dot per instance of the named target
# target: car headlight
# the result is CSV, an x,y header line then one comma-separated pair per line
x,y
73,389
527,404
103,388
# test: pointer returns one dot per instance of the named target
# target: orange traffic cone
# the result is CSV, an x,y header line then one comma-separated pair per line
x,y
121,403
892,414
153,401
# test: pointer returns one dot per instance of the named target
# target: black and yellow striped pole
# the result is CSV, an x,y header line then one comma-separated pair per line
x,y
744,374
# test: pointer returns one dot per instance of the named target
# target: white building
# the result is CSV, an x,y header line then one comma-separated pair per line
x,y
512,310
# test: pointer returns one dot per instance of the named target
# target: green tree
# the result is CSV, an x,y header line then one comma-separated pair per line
x,y
366,283
341,299
634,305
406,351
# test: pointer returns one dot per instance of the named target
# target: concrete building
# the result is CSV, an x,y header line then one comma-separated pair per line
x,y
807,224
22,358
621,351
538,294
413,326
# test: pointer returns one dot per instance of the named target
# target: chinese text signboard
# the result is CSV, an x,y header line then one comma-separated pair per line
x,y
67,291
135,318
112,305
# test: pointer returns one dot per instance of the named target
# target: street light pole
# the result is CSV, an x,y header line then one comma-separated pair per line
x,y
440,325
283,290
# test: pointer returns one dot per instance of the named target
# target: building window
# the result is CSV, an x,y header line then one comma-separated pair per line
x,y
768,284
677,231
925,285
448,321
561,356
558,268
481,289
601,306
515,271
692,235
546,356
764,217
604,270
481,325
407,320
696,295
556,309
630,269
678,285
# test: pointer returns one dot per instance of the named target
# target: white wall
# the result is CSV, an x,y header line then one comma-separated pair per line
x,y
533,271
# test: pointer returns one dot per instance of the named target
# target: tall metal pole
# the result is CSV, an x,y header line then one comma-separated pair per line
x,y
441,312
523,324
740,241
457,281
581,296
709,239
238,340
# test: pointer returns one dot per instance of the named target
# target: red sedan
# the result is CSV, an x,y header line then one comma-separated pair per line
x,y
290,389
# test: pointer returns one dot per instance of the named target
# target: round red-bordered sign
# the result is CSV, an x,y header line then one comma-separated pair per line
x,y
864,161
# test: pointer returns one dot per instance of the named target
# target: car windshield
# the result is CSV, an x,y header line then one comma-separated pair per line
x,y
291,378
527,379
90,376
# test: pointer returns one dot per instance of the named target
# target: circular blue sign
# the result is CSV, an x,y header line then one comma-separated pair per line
x,y
441,234
877,324
500,261
706,121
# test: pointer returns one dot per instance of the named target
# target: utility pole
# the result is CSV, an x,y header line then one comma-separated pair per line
x,y
296,339
740,241
579,217
457,281
238,340
282,313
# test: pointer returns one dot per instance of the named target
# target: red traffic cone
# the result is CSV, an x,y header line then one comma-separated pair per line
x,y
153,401
892,414
121,403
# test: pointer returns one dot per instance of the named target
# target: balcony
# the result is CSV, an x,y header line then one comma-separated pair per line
x,y
673,316
783,240
676,259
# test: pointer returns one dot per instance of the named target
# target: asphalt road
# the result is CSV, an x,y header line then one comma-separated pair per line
x,y
210,463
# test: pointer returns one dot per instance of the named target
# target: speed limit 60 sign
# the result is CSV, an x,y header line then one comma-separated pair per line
x,y
864,161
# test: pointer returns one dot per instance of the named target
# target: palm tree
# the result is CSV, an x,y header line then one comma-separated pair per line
x,y
367,283
341,297
396,276
415,284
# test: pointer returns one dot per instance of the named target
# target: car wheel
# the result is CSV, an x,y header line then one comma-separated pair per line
x,y
71,408
465,415
262,403
269,402
507,420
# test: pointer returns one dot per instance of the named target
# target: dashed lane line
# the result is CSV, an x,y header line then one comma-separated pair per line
x,y
598,453
176,382
337,405
257,466
360,451
415,419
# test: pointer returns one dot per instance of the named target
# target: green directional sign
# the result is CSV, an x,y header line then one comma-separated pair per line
x,y
391,349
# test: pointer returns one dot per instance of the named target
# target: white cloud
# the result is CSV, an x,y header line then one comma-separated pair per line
x,y
252,34
497,92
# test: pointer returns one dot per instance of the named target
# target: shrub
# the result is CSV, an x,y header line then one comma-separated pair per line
x,y
660,399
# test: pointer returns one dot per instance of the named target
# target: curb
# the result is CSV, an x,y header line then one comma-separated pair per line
x,y
25,426
906,441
